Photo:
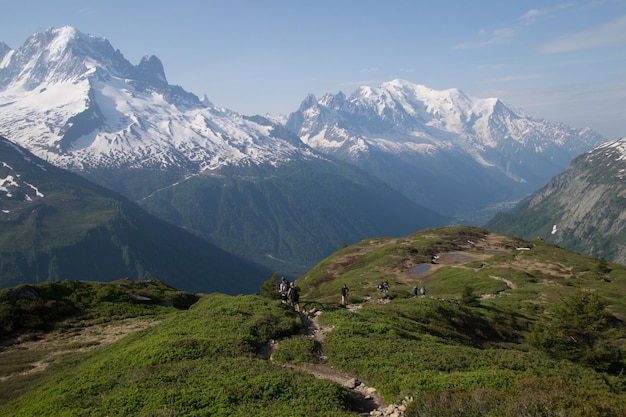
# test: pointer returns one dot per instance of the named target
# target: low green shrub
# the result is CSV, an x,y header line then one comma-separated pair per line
x,y
449,351
532,398
295,350
200,362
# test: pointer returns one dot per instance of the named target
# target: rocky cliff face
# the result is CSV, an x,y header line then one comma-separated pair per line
x,y
583,209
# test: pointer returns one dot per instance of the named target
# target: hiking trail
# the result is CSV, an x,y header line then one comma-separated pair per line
x,y
367,400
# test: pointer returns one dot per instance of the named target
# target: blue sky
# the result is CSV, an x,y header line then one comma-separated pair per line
x,y
558,60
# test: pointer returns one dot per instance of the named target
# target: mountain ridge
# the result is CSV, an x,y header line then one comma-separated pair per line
x,y
117,114
75,101
126,128
406,133
583,208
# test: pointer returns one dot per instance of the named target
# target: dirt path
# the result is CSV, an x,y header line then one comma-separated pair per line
x,y
508,283
367,401
367,398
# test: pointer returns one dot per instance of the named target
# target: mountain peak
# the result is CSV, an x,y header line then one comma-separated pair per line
x,y
205,100
4,49
55,41
68,32
308,102
64,35
333,101
150,69
73,99
60,55
400,84
403,131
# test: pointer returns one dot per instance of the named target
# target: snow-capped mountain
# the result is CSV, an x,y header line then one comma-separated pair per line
x,y
582,209
433,145
73,100
245,184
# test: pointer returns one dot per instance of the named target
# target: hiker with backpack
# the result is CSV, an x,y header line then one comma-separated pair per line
x,y
283,289
294,296
344,295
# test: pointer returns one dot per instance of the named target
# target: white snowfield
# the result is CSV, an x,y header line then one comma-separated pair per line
x,y
63,79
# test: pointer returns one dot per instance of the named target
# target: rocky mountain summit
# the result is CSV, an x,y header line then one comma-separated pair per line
x,y
74,100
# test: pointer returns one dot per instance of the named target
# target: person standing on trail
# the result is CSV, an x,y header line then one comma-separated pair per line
x,y
294,296
344,294
283,289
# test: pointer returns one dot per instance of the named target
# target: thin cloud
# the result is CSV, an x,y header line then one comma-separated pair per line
x,y
497,37
365,70
492,66
504,35
534,14
357,83
612,33
512,78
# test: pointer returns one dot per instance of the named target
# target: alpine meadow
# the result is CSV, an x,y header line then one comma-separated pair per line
x,y
507,327
394,251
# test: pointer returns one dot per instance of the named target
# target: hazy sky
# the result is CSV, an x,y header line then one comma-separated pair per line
x,y
558,60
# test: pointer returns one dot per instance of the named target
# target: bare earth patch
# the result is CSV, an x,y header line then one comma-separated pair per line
x,y
53,346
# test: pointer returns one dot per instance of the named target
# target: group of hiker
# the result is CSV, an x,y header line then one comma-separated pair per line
x,y
290,293
422,291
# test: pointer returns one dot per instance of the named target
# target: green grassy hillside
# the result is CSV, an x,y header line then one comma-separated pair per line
x,y
56,225
288,217
507,328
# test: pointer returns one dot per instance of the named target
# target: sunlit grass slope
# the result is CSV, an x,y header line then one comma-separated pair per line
x,y
196,362
507,328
